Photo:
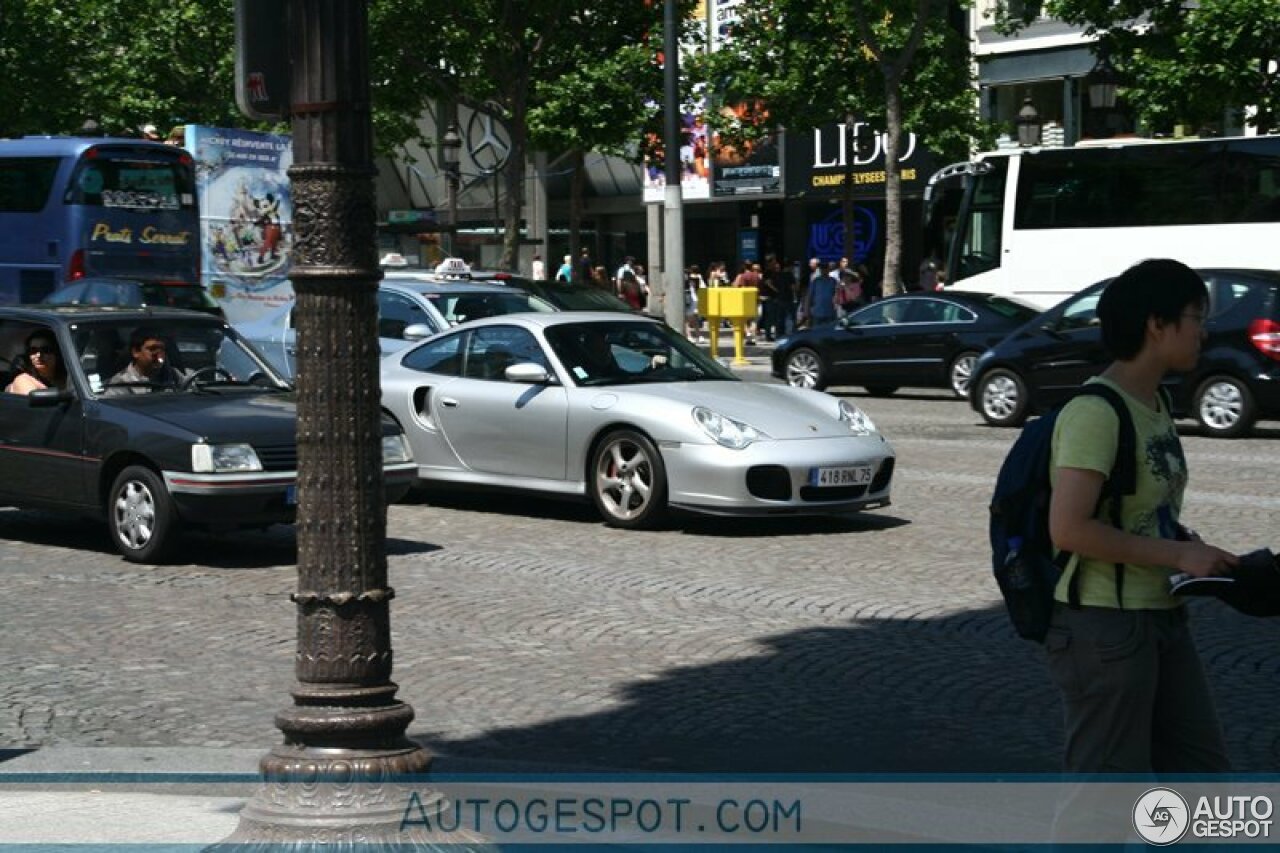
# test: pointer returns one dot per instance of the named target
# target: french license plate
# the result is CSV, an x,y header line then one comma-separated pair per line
x,y
291,496
846,475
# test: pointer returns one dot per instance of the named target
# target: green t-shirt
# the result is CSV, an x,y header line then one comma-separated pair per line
x,y
1085,436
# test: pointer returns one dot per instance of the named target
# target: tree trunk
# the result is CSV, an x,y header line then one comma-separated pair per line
x,y
848,144
513,204
576,183
892,281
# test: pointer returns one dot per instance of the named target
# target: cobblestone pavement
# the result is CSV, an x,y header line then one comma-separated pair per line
x,y
526,630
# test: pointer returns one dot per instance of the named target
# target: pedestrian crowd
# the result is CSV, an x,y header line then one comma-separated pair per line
x,y
789,296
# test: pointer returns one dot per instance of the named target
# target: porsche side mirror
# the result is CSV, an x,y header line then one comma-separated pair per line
x,y
527,373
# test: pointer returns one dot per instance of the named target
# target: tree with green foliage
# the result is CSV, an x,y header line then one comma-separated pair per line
x,y
543,68
595,108
1184,62
121,63
809,62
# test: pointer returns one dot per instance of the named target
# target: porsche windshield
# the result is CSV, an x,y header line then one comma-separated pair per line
x,y
620,353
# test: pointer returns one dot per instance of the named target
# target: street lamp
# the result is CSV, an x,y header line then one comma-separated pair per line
x,y
1103,81
1028,122
450,146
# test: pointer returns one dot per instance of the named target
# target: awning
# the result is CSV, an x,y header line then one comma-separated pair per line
x,y
1037,65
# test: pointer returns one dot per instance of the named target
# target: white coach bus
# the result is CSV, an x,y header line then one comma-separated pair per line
x,y
1040,224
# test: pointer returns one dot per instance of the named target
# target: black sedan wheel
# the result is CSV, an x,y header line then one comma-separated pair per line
x,y
961,373
1224,407
1003,398
628,481
804,370
140,515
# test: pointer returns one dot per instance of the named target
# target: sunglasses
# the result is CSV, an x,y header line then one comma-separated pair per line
x,y
47,349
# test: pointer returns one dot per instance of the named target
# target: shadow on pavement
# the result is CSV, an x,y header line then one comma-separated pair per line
x,y
957,693
241,549
776,526
914,694
921,394
540,506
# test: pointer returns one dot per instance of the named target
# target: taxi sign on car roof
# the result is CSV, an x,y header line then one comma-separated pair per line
x,y
453,268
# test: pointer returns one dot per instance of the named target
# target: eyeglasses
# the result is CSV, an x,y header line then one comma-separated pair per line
x,y
46,349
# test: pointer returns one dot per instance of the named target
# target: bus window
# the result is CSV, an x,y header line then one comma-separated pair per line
x,y
131,184
979,239
25,183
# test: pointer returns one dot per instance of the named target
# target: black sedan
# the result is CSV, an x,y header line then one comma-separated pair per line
x,y
1236,381
210,442
922,340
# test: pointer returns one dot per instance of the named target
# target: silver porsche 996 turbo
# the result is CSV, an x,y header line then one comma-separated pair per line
x,y
625,411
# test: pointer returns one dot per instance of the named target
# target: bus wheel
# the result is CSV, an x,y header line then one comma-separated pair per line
x,y
1224,407
1003,397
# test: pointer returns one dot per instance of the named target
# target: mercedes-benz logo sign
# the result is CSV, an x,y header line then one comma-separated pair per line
x,y
1161,816
488,142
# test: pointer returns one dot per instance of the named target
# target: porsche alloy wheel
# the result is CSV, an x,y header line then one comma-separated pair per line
x,y
140,515
628,480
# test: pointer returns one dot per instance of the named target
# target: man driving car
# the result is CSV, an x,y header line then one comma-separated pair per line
x,y
149,367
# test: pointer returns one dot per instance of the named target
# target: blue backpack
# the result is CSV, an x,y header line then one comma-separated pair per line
x,y
1021,550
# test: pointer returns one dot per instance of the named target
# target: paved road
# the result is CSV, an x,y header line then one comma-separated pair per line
x,y
526,630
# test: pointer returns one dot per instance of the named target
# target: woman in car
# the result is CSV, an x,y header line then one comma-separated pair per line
x,y
43,367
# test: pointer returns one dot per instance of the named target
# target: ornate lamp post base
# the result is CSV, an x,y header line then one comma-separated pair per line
x,y
339,798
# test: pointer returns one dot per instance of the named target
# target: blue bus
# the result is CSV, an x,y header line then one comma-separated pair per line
x,y
72,208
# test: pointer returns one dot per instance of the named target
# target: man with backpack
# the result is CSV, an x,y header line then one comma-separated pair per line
x,y
1134,692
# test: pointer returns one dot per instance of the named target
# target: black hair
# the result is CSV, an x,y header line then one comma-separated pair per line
x,y
142,334
1161,288
59,366
47,334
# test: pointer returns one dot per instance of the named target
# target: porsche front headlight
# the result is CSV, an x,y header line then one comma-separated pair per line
x,y
726,431
859,423
223,458
395,449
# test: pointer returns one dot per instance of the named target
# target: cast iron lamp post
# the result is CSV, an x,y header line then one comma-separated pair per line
x,y
334,779
450,146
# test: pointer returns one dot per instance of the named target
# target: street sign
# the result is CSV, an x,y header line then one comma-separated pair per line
x,y
262,58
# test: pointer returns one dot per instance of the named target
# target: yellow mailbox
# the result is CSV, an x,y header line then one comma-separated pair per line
x,y
735,304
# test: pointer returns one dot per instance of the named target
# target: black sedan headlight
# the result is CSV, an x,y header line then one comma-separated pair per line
x,y
224,458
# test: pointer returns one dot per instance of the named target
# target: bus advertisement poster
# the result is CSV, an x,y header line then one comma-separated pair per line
x,y
246,218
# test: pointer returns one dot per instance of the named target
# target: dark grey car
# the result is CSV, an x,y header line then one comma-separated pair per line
x,y
216,451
